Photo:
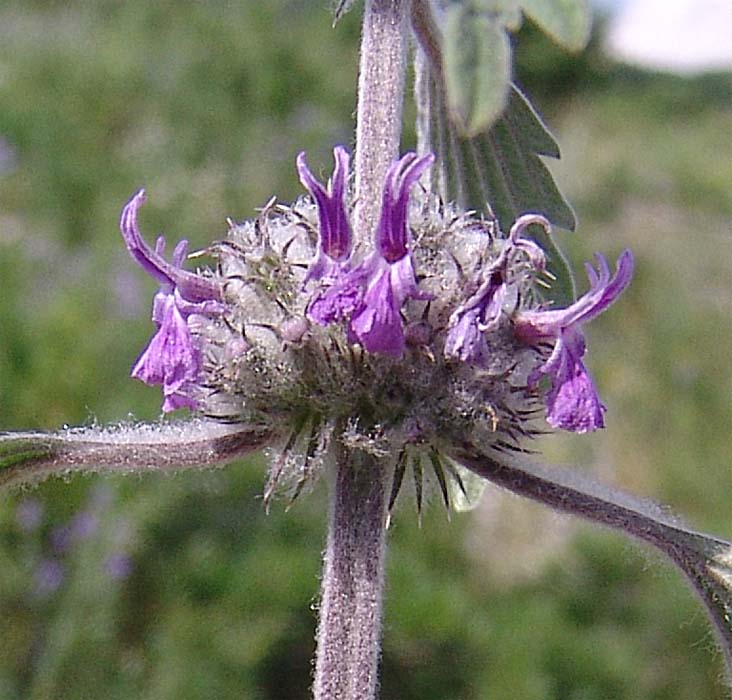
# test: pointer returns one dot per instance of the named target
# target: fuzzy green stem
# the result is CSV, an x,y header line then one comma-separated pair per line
x,y
379,113
349,631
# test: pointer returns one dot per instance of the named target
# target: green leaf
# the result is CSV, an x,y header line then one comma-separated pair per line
x,y
514,180
477,65
568,22
508,171
497,168
500,170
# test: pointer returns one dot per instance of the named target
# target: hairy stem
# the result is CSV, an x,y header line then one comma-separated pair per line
x,y
349,631
379,112
28,458
349,628
705,560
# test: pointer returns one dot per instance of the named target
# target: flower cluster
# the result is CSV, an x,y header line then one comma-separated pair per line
x,y
436,333
171,358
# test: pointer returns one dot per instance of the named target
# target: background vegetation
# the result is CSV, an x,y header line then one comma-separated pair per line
x,y
181,587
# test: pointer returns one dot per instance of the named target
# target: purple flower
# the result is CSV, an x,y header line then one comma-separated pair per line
x,y
377,323
373,293
60,538
83,525
119,566
335,231
481,312
572,402
465,336
48,577
29,514
171,359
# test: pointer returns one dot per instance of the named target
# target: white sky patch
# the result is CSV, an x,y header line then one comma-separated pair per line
x,y
680,36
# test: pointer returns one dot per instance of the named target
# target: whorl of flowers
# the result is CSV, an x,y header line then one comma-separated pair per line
x,y
436,335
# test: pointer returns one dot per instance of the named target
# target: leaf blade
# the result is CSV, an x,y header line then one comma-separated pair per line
x,y
568,22
501,170
477,67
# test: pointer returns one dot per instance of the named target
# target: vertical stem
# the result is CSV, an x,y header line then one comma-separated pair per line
x,y
379,113
349,631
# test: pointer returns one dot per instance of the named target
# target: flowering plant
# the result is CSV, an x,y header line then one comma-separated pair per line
x,y
379,326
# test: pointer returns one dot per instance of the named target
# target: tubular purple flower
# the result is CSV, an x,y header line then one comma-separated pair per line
x,y
171,358
377,322
374,292
573,403
467,325
392,234
335,231
481,312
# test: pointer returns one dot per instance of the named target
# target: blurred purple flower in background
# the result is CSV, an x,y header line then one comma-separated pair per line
x,y
49,576
29,514
118,566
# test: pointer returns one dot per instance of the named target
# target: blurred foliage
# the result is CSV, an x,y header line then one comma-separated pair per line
x,y
206,104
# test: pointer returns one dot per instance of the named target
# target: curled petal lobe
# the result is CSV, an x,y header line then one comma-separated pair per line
x,y
335,231
532,249
191,286
603,291
150,261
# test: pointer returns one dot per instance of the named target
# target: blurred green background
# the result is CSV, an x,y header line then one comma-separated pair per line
x,y
181,587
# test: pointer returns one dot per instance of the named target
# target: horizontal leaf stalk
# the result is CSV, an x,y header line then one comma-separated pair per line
x,y
30,457
705,560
